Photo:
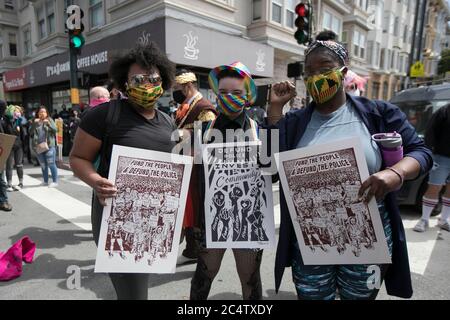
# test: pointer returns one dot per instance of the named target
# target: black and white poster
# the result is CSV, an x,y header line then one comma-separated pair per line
x,y
141,226
332,225
238,198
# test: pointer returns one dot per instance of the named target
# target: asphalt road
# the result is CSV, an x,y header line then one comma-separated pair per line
x,y
58,221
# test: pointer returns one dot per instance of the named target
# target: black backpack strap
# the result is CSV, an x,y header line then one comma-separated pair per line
x,y
112,119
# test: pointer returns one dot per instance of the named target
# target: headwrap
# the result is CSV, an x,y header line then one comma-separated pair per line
x,y
334,46
240,68
186,78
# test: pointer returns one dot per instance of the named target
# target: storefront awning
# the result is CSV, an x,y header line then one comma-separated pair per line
x,y
184,44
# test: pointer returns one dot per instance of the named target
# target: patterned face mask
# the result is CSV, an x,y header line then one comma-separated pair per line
x,y
145,95
231,105
323,87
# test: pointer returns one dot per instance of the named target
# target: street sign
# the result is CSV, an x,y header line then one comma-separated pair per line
x,y
73,22
417,70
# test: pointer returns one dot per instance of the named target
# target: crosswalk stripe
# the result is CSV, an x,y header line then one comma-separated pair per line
x,y
58,202
420,245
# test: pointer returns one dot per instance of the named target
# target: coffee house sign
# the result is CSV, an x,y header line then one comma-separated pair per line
x,y
85,62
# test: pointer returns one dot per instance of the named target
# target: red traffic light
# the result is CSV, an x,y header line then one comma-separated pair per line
x,y
302,10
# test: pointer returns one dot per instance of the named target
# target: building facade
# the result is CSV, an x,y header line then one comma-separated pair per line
x,y
436,18
199,34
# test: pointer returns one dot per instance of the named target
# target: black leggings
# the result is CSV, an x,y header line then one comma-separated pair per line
x,y
16,157
128,286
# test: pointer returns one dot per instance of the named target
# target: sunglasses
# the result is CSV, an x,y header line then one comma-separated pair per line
x,y
140,79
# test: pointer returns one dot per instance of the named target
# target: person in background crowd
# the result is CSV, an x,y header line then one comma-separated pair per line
x,y
335,115
64,114
74,123
143,73
31,154
193,107
44,131
98,95
354,84
437,137
15,125
55,115
4,204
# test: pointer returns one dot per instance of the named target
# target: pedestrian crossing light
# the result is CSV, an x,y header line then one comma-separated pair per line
x,y
303,11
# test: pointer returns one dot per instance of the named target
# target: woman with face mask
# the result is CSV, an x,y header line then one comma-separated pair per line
x,y
235,90
143,74
43,135
15,125
192,107
334,115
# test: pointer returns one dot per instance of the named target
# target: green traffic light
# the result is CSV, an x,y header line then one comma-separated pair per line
x,y
77,41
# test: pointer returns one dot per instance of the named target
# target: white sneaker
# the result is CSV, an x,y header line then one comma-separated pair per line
x,y
10,189
53,185
43,184
444,225
421,226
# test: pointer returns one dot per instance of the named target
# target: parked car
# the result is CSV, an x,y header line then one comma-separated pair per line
x,y
419,104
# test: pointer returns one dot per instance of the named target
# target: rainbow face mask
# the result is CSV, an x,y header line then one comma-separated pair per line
x,y
231,105
323,87
145,95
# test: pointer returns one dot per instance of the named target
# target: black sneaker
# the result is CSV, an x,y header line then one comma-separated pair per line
x,y
5,206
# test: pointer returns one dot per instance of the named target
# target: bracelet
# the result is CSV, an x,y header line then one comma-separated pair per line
x,y
402,179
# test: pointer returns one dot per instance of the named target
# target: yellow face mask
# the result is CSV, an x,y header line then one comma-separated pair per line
x,y
323,87
145,95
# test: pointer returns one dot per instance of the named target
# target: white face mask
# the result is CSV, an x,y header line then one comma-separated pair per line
x,y
356,93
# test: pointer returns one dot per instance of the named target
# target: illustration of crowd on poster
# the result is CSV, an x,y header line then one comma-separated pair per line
x,y
142,220
239,205
331,221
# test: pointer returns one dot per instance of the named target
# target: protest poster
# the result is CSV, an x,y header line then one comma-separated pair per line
x,y
6,144
238,197
141,227
332,225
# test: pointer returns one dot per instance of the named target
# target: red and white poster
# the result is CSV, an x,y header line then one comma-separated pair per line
x,y
332,225
141,227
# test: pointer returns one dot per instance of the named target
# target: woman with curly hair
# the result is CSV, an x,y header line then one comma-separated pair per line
x,y
143,74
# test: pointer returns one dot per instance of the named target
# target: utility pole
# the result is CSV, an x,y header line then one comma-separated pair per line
x,y
76,41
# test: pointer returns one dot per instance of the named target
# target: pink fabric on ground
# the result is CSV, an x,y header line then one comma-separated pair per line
x,y
11,260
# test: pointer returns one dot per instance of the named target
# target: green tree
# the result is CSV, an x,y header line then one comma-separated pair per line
x,y
444,63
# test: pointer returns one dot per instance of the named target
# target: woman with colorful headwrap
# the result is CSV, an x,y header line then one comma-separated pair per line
x,y
334,115
15,125
235,90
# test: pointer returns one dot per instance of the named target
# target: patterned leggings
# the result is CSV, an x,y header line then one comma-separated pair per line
x,y
351,281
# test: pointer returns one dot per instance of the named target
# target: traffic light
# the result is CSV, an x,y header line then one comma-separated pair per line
x,y
303,11
75,26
